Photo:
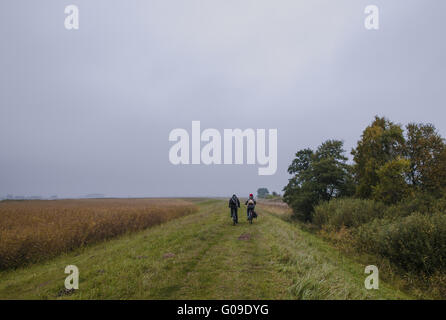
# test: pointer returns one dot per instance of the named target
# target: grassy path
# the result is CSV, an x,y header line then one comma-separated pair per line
x,y
202,256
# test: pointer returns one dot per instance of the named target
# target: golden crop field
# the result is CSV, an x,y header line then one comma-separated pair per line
x,y
32,231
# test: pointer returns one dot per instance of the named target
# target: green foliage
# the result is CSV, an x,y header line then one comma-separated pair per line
x,y
420,202
262,192
302,202
392,186
426,150
399,181
389,167
415,243
347,212
380,142
317,176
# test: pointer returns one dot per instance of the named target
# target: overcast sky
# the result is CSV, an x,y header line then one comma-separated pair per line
x,y
90,110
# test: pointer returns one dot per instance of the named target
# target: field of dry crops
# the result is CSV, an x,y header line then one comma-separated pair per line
x,y
278,208
32,231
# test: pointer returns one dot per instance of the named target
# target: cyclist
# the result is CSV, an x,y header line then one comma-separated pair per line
x,y
234,204
251,203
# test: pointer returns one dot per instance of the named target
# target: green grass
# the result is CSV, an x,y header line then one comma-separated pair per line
x,y
200,256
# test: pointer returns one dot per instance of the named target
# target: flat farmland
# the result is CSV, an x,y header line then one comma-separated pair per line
x,y
32,231
203,256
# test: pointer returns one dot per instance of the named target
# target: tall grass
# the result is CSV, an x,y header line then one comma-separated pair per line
x,y
31,231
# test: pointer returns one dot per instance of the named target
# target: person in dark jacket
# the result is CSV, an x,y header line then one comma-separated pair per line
x,y
234,204
251,204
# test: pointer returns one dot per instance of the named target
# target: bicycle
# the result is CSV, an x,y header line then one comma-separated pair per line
x,y
234,217
250,215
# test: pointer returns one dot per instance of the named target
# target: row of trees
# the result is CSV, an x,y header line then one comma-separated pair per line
x,y
263,193
389,164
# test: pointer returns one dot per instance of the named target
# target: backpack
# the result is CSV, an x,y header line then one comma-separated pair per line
x,y
250,202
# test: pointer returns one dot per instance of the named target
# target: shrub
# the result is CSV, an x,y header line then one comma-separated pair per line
x,y
440,205
422,203
347,212
414,243
302,204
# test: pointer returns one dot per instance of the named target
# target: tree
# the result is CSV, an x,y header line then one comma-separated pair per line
x,y
317,176
440,172
262,192
425,149
392,186
331,171
380,142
